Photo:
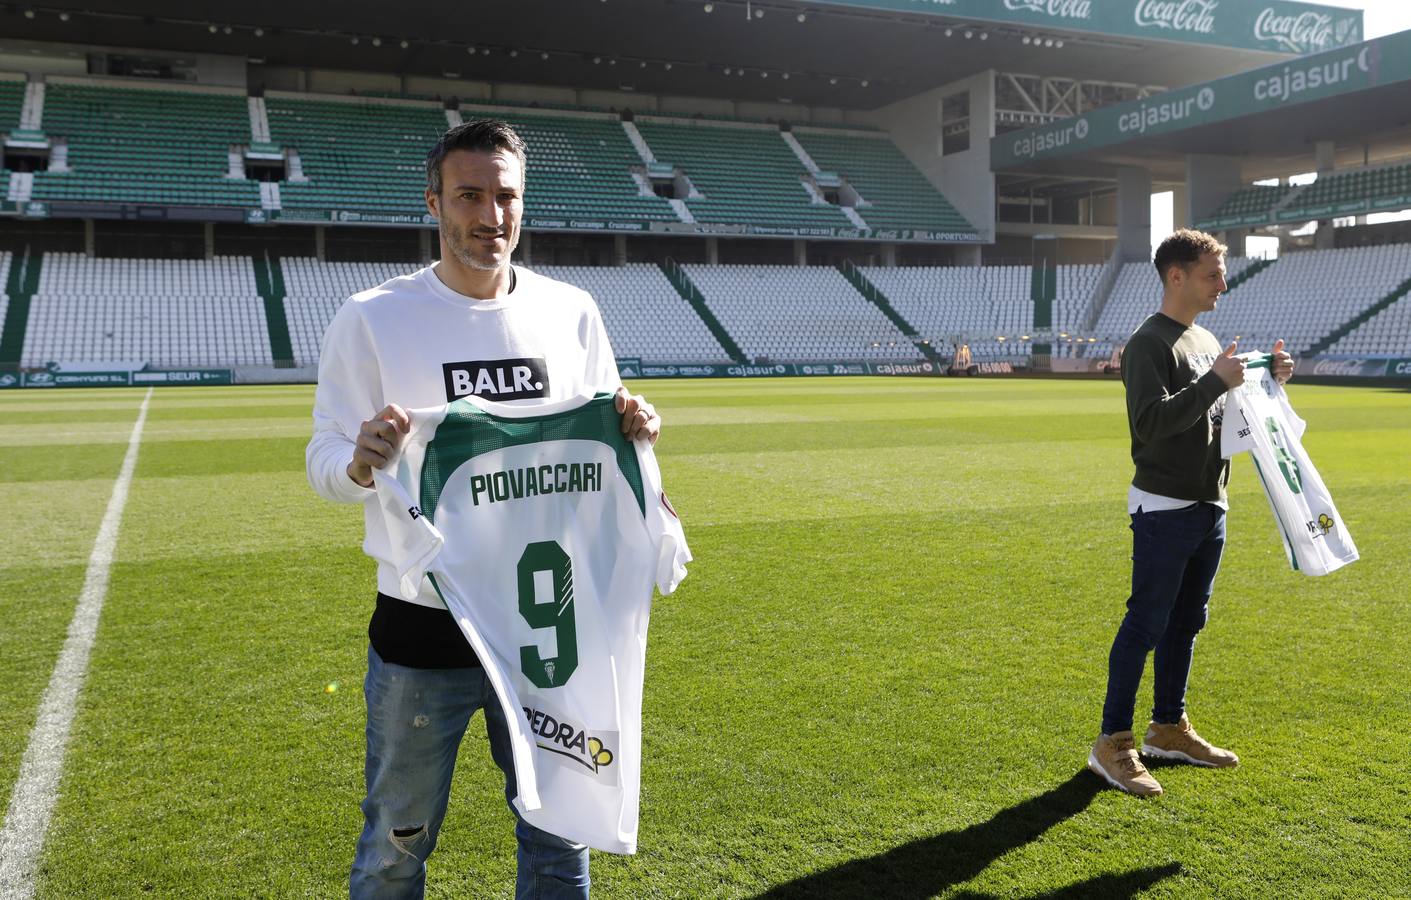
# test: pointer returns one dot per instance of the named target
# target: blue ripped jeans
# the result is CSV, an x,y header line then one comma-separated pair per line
x,y
415,721
1175,555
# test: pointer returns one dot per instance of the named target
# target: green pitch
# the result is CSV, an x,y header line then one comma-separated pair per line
x,y
881,678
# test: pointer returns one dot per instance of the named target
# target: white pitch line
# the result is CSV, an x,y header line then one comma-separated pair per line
x,y
32,803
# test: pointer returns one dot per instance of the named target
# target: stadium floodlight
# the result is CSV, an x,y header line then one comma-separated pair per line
x,y
353,40
759,14
226,29
470,50
785,76
642,64
211,28
1048,42
984,35
710,7
949,32
1027,39
969,35
612,62
832,81
801,17
865,82
597,60
259,32
405,43
514,54
1058,43
544,55
29,14
763,74
667,67
727,70
377,42
740,72
63,17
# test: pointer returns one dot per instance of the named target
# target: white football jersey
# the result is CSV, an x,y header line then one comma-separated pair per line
x,y
543,529
1260,421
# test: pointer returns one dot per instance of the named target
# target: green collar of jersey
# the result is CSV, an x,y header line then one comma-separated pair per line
x,y
468,432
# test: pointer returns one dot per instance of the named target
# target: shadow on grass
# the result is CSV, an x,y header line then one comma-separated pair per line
x,y
925,867
1103,887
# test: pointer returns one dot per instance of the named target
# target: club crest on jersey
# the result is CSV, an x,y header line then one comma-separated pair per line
x,y
496,379
569,742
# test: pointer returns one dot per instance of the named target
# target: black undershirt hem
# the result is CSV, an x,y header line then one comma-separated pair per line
x,y
418,637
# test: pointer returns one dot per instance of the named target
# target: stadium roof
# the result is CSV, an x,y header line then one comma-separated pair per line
x,y
1273,115
854,54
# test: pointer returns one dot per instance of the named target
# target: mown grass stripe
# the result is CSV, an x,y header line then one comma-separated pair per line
x,y
32,802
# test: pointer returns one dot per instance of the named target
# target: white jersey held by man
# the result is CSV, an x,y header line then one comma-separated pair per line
x,y
1260,421
543,529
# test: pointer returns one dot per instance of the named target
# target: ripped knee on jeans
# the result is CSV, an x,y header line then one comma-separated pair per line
x,y
409,840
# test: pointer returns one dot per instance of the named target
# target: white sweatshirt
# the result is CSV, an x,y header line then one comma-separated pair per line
x,y
416,343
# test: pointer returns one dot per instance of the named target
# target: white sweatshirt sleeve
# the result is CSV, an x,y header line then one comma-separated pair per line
x,y
349,393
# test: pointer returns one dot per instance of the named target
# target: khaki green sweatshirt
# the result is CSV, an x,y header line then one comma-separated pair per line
x,y
1174,407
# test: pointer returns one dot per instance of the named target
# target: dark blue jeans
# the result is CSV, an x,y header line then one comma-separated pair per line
x,y
1175,555
415,721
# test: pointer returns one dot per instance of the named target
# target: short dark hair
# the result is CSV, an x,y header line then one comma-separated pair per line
x,y
1184,248
478,136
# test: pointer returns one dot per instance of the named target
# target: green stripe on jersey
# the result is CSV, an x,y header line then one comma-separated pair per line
x,y
468,432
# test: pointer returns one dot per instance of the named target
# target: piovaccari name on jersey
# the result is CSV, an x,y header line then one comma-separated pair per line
x,y
555,478
496,379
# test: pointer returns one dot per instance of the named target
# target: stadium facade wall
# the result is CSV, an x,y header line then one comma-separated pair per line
x,y
964,178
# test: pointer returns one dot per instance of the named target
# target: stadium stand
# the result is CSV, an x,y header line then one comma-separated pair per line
x,y
160,311
1351,192
1137,294
1387,333
579,168
147,145
314,290
364,155
1304,296
767,192
644,315
11,101
794,313
976,304
1253,203
897,195
1076,284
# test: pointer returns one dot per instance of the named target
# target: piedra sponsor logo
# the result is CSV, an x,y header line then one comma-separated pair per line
x,y
696,371
1322,526
1164,112
1304,32
1295,80
1338,366
1197,16
570,741
1031,146
1058,9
